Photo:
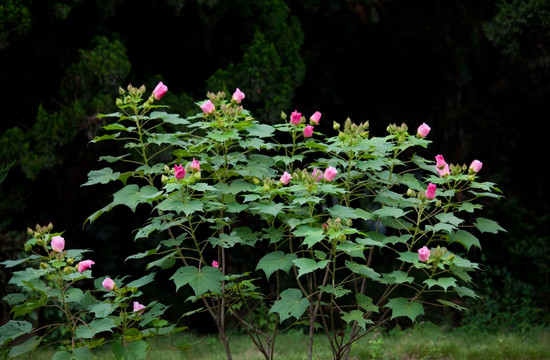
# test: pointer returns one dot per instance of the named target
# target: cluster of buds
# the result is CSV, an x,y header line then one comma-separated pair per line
x,y
352,133
296,118
429,194
131,96
333,228
399,132
39,231
444,169
178,172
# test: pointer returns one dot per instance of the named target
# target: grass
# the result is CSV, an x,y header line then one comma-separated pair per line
x,y
397,345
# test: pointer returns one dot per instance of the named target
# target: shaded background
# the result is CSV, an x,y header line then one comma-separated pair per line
x,y
476,71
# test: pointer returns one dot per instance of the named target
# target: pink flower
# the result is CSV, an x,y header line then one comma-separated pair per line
x,y
423,130
238,96
285,178
195,165
160,90
295,117
440,162
108,284
315,118
430,192
308,131
138,307
179,171
423,254
475,166
330,173
207,107
215,264
317,174
444,171
84,265
58,243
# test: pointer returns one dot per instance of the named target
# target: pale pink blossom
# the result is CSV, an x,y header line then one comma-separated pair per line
x,y
84,265
315,118
238,96
179,171
475,166
430,192
160,90
308,131
195,165
423,130
138,307
423,254
108,284
444,171
215,264
208,107
58,243
295,117
330,173
317,174
285,178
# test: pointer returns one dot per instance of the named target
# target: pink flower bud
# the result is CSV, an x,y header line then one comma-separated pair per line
x,y
179,171
315,118
330,173
295,118
308,131
207,107
475,166
238,96
285,178
444,171
195,165
58,243
108,284
84,265
440,162
430,192
423,254
423,130
160,90
138,307
215,264
317,174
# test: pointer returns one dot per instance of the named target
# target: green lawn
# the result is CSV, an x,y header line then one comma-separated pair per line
x,y
399,345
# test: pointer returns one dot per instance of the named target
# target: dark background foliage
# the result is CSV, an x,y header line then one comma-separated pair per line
x,y
476,71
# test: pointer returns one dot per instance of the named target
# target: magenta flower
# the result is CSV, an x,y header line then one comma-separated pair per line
x,y
207,107
179,171
330,173
308,131
285,178
238,96
84,265
195,165
315,118
138,307
58,243
430,192
215,264
108,284
475,166
295,118
440,162
423,254
423,130
160,90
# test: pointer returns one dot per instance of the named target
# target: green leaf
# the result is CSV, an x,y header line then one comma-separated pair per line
x,y
142,281
274,261
389,212
95,327
271,208
337,291
102,310
25,347
357,316
131,195
307,265
365,302
312,235
13,329
175,203
206,279
290,303
363,270
487,225
403,307
397,277
452,304
261,130
429,330
444,282
173,119
136,350
102,176
449,218
465,238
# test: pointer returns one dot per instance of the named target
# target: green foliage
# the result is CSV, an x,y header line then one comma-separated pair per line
x,y
15,20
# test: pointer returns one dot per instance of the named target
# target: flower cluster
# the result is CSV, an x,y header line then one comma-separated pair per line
x,y
296,119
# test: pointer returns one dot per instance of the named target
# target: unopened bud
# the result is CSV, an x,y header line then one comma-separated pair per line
x,y
335,125
30,231
43,266
197,175
70,261
119,102
349,222
164,179
256,181
411,193
68,269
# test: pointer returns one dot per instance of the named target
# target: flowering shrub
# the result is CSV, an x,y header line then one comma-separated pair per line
x,y
350,230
